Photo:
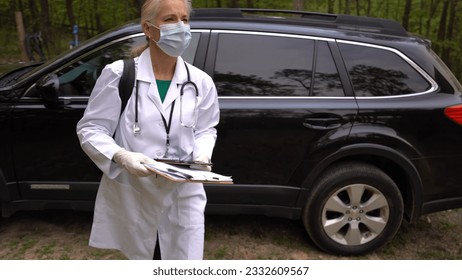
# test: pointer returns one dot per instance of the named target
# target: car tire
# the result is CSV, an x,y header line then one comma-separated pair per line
x,y
354,208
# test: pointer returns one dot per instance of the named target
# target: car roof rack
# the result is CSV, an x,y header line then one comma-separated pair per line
x,y
338,21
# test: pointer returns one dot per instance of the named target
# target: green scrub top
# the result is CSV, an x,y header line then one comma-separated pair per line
x,y
162,87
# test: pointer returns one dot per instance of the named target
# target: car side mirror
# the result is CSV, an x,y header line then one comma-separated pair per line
x,y
47,87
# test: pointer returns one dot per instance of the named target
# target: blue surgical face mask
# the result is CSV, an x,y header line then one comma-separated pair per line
x,y
174,38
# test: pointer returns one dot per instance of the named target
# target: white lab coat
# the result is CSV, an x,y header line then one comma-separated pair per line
x,y
130,210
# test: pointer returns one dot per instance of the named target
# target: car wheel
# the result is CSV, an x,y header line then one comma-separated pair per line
x,y
354,208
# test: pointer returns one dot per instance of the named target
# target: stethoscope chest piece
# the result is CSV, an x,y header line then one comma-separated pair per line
x,y
136,129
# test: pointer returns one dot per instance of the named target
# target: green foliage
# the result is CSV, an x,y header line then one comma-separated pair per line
x,y
91,16
96,16
424,18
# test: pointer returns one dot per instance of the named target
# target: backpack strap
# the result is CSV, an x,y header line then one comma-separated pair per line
x,y
126,83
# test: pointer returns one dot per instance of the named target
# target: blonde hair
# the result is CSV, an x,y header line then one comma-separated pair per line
x,y
149,12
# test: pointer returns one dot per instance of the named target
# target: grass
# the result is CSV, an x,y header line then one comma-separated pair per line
x,y
220,253
64,235
46,250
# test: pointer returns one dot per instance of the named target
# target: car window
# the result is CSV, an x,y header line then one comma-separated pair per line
x,y
326,79
263,65
79,77
190,53
380,72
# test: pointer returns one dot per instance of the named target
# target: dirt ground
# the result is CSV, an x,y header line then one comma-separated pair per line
x,y
56,235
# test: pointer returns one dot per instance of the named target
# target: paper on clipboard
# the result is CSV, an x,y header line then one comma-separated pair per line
x,y
181,162
182,174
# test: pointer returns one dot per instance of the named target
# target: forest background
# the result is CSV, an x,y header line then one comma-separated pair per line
x,y
55,20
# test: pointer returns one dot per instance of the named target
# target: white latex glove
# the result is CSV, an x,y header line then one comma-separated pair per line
x,y
203,148
133,162
201,158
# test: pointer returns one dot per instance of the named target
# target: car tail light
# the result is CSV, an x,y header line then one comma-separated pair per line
x,y
454,113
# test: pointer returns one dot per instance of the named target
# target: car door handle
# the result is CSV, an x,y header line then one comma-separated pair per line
x,y
323,123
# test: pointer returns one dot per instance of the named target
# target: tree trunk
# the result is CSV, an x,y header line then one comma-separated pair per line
x,y
138,4
99,26
443,22
46,30
34,13
234,3
407,14
441,35
446,55
22,36
330,6
433,8
368,8
70,12
452,19
421,17
298,5
347,7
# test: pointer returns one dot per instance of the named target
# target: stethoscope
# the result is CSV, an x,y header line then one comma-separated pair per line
x,y
167,125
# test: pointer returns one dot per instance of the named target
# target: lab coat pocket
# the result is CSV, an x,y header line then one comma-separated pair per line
x,y
121,204
190,205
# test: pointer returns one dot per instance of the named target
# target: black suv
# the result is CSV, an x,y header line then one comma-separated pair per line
x,y
349,124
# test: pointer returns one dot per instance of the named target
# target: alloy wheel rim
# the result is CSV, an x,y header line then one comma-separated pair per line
x,y
356,214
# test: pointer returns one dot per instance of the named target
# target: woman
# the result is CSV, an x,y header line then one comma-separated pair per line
x,y
134,207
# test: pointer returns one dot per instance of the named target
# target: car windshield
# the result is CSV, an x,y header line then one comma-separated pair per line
x,y
76,49
9,75
56,58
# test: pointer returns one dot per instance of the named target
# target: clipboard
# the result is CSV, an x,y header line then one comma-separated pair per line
x,y
182,162
185,174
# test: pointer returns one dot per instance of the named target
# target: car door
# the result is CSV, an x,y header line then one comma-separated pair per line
x,y
49,163
281,100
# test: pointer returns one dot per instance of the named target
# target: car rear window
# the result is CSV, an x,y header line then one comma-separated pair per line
x,y
380,72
